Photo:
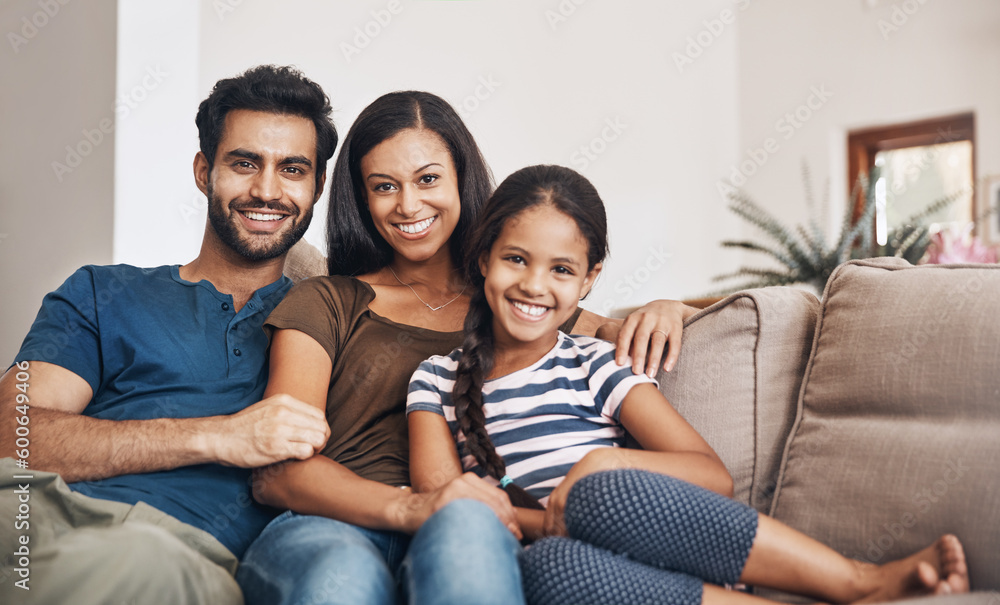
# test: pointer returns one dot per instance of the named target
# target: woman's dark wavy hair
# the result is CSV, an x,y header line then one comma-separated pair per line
x,y
271,89
354,246
573,195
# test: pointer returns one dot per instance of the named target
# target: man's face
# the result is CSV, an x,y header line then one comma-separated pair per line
x,y
262,185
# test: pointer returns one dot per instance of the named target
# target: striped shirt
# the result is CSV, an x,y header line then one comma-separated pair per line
x,y
543,418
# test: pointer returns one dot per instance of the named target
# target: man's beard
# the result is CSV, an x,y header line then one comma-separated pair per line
x,y
245,245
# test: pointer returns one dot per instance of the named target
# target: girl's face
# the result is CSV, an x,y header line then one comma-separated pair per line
x,y
411,187
536,273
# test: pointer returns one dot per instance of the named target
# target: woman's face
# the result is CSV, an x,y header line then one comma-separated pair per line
x,y
411,187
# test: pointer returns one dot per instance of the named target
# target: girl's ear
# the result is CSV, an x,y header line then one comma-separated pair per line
x,y
588,281
483,263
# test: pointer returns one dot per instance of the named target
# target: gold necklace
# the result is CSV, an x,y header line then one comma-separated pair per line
x,y
422,300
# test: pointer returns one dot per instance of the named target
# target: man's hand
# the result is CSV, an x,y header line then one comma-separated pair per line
x,y
418,507
646,331
272,430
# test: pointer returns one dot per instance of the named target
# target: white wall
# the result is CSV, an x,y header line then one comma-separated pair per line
x,y
58,74
560,69
159,212
882,65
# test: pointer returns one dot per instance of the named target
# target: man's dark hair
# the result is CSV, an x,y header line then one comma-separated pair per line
x,y
272,89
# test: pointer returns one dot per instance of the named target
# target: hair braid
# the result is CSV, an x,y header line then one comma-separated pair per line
x,y
475,364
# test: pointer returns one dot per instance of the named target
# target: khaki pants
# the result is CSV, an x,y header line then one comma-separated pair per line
x,y
84,550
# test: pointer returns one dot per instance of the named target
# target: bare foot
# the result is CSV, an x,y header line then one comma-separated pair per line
x,y
938,569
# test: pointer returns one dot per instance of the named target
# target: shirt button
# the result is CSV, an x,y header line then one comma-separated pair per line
x,y
225,306
237,352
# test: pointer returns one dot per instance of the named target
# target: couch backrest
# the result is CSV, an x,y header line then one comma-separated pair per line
x,y
304,260
897,435
737,381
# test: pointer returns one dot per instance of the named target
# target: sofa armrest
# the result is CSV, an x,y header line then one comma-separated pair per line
x,y
737,380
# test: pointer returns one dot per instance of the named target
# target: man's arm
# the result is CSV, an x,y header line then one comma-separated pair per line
x,y
83,448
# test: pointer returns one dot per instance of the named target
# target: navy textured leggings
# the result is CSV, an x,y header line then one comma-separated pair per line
x,y
639,537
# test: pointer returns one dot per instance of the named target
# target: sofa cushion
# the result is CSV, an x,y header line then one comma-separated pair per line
x,y
896,435
737,380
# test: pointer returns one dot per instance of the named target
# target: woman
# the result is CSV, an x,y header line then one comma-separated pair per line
x,y
407,185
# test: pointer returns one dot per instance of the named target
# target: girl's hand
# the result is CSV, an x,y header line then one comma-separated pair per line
x,y
602,459
646,331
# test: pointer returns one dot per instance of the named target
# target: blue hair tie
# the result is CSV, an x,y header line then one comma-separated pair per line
x,y
505,481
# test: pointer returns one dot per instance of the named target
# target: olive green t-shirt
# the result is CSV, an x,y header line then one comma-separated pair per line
x,y
373,359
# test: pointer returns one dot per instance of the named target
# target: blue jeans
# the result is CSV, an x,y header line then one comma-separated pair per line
x,y
462,554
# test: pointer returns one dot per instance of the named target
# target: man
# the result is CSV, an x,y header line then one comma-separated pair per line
x,y
140,388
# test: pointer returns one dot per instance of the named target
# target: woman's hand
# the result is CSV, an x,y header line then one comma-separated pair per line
x,y
418,507
602,459
645,333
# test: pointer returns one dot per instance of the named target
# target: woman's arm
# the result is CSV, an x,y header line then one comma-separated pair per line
x,y
671,446
301,367
643,334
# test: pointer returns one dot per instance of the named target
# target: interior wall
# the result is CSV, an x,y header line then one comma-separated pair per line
x,y
656,104
873,63
57,64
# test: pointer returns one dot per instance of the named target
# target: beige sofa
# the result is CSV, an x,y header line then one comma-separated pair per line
x,y
870,420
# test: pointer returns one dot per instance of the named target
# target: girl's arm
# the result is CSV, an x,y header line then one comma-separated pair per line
x,y
434,462
301,367
643,334
671,446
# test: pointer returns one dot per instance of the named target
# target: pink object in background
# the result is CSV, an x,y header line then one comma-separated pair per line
x,y
958,246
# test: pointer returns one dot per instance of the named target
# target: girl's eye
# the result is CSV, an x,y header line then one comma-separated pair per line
x,y
515,259
383,187
562,269
428,179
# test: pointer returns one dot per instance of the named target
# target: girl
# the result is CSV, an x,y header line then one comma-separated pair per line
x,y
408,184
543,414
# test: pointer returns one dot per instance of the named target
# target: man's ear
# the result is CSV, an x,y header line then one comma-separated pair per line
x,y
202,172
320,187
588,281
